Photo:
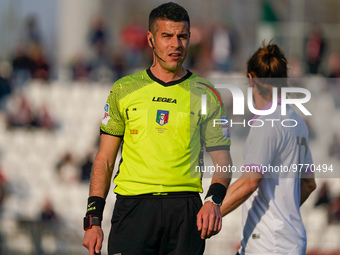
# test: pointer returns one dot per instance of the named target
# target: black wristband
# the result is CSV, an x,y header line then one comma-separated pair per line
x,y
95,207
217,189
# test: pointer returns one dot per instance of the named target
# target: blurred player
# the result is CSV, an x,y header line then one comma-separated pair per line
x,y
271,217
158,208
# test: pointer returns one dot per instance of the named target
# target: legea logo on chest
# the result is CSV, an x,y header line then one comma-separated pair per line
x,y
164,100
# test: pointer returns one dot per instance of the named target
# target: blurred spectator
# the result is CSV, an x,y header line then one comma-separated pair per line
x,y
334,78
101,70
98,33
32,32
86,168
315,49
270,18
45,120
324,195
46,225
324,199
80,68
268,12
334,66
196,40
21,113
47,212
311,130
294,68
67,169
334,147
134,41
335,91
29,60
22,67
40,65
205,63
223,42
3,188
99,66
3,195
335,210
118,64
5,90
98,41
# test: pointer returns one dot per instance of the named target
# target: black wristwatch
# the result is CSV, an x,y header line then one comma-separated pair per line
x,y
214,199
90,221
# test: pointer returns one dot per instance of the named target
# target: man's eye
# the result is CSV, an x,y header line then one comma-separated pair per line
x,y
183,37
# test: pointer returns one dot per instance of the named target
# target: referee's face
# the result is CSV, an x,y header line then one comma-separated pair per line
x,y
171,42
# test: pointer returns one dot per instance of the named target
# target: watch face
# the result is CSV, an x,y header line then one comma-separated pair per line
x,y
216,200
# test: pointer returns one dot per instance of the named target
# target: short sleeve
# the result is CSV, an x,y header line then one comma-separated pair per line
x,y
113,122
215,132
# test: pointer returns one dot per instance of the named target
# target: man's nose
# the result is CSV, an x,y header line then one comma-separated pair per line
x,y
176,42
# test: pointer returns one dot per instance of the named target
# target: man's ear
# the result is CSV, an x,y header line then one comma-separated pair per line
x,y
251,80
150,39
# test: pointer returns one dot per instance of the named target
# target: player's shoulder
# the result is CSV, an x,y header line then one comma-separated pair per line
x,y
130,84
130,79
201,86
300,122
200,82
279,123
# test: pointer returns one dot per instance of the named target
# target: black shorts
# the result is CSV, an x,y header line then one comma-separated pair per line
x,y
156,224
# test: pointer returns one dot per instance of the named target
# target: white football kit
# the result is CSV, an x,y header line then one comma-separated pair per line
x,y
271,217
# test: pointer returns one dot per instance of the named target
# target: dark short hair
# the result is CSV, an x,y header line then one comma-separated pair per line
x,y
168,11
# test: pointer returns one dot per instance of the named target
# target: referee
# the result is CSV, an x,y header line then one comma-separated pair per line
x,y
156,116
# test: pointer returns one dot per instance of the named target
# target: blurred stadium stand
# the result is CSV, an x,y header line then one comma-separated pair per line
x,y
29,157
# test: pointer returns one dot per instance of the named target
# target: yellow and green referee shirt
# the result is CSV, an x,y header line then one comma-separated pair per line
x,y
163,131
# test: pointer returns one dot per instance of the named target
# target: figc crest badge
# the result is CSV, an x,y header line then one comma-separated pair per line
x,y
162,117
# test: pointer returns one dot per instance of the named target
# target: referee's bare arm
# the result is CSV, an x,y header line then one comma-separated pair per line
x,y
209,219
100,183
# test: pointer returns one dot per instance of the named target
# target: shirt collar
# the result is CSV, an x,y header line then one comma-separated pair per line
x,y
266,107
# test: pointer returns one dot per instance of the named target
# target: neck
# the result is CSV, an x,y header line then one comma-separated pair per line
x,y
166,75
260,102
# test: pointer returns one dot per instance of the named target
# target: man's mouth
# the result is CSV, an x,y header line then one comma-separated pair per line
x,y
175,55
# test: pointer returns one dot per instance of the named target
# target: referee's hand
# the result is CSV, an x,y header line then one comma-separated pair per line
x,y
93,240
209,220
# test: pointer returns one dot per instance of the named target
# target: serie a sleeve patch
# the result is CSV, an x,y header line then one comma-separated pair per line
x,y
106,118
